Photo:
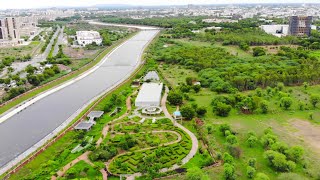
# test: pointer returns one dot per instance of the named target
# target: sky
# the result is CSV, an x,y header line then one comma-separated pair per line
x,y
21,4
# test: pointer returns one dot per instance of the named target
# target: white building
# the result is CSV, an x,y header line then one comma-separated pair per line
x,y
276,30
149,95
88,37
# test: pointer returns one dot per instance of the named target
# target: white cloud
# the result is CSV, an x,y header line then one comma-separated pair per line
x,y
52,3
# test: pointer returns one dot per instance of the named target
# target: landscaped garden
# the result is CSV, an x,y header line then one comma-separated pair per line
x,y
156,138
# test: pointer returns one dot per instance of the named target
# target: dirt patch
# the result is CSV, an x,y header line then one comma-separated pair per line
x,y
309,132
79,53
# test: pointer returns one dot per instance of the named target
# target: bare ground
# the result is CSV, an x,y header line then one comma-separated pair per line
x,y
309,132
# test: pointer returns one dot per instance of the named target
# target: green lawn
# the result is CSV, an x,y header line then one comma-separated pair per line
x,y
82,170
235,50
19,51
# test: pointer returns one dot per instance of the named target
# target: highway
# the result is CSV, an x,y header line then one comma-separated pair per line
x,y
22,131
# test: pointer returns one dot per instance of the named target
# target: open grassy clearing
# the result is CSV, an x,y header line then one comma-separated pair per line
x,y
19,51
82,170
234,50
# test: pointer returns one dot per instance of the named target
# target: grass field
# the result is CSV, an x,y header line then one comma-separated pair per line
x,y
82,170
19,51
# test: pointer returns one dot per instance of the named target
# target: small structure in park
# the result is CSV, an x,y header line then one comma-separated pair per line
x,y
152,110
149,95
87,125
95,115
84,125
177,115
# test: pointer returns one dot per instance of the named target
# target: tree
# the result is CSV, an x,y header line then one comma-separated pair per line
x,y
280,86
295,153
314,100
261,176
252,162
188,112
196,88
222,109
175,98
196,173
232,139
264,106
244,46
252,141
106,40
201,111
286,102
224,127
305,85
250,172
280,147
189,81
227,158
258,51
30,69
228,171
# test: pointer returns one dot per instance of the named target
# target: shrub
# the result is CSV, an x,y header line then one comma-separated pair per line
x,y
250,172
261,176
227,158
252,162
228,170
175,98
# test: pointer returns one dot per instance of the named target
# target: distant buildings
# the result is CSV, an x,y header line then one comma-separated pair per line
x,y
9,32
88,37
300,25
278,30
13,28
28,26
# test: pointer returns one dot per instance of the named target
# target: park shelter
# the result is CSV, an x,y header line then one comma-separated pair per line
x,y
149,95
84,125
177,115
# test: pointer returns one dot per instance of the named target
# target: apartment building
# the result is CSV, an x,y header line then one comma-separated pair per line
x,y
300,25
9,31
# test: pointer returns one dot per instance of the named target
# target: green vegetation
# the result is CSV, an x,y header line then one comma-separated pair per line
x,y
82,170
244,90
153,157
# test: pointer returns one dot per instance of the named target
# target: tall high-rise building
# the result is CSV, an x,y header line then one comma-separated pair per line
x,y
9,31
9,28
300,25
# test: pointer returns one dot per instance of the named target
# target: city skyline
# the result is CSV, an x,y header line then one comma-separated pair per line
x,y
19,4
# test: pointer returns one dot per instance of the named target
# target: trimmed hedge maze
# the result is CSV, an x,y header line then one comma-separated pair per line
x,y
152,160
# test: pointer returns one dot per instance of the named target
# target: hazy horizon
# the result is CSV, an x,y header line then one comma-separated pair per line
x,y
29,4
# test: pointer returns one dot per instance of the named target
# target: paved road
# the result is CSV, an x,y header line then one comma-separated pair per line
x,y
19,66
21,131
59,41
